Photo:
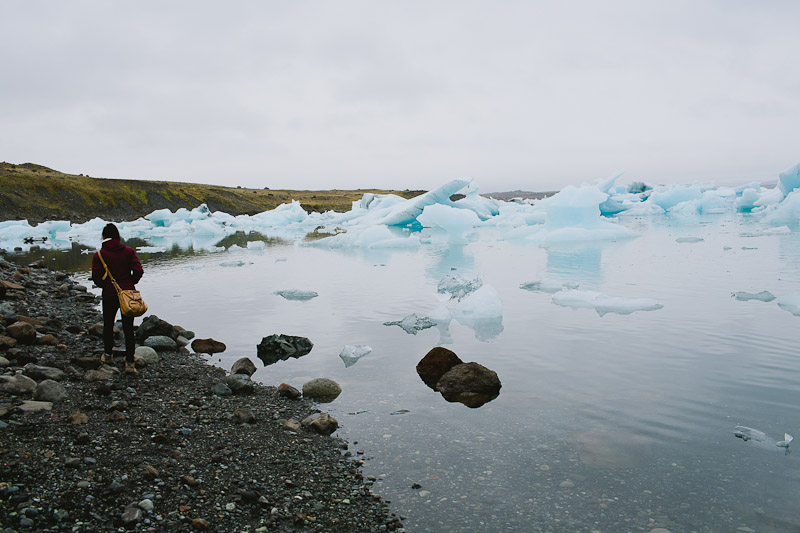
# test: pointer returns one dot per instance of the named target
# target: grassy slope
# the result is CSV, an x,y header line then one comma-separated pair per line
x,y
37,193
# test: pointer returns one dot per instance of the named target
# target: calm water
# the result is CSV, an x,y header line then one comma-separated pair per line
x,y
612,423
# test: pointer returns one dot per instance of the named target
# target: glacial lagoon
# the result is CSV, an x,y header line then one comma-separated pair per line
x,y
627,363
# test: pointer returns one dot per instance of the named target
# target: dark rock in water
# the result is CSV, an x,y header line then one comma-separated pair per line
x,y
239,383
243,366
23,332
208,346
281,347
243,415
321,389
152,326
435,364
469,383
287,391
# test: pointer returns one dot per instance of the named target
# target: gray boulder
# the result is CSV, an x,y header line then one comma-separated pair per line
x,y
103,373
281,347
161,343
239,383
321,390
39,372
221,389
469,383
146,355
18,384
4,362
243,366
243,415
152,326
22,332
50,391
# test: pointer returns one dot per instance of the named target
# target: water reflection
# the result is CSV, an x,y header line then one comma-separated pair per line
x,y
578,263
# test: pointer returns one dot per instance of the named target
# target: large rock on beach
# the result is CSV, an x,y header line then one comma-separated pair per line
x,y
208,346
239,383
7,342
435,364
18,384
322,423
103,373
287,391
23,332
281,347
152,326
161,343
39,372
50,391
321,390
243,366
146,355
469,383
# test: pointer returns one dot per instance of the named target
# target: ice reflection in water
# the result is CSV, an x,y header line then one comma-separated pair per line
x,y
612,423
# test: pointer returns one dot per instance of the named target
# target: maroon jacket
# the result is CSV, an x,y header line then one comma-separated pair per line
x,y
123,264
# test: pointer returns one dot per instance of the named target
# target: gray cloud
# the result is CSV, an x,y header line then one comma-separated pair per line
x,y
404,94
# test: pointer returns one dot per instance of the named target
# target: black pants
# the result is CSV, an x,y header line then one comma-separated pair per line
x,y
110,308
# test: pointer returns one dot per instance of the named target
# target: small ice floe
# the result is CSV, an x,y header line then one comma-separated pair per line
x,y
548,286
781,230
745,433
688,239
787,439
458,286
350,354
413,323
790,302
295,294
763,296
151,249
280,259
602,303
231,263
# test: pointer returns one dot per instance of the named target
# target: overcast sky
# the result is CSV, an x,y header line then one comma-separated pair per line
x,y
404,94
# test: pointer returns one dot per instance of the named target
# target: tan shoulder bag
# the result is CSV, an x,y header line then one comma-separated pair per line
x,y
130,301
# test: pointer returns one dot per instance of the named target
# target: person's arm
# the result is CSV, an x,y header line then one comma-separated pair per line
x,y
97,271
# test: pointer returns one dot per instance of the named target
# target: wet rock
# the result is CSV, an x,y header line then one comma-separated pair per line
x,y
322,423
104,373
23,332
115,416
77,418
244,366
287,391
292,425
4,362
147,356
201,524
83,439
149,473
39,372
47,340
208,346
96,330
321,389
185,333
89,363
469,383
152,326
161,343
7,342
32,406
243,415
18,384
239,383
221,389
281,347
181,341
50,391
132,516
435,364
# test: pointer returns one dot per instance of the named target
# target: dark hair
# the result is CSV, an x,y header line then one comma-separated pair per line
x,y
110,231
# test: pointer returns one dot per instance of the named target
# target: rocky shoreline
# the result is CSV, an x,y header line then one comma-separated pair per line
x,y
87,447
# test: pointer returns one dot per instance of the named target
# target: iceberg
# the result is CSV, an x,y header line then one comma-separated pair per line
x,y
790,302
371,237
456,222
789,179
482,311
351,354
412,323
784,213
670,196
408,211
298,295
604,304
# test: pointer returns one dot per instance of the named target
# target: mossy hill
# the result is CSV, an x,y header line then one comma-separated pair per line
x,y
37,193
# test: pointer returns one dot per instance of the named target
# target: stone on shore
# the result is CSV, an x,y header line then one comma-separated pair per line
x,y
32,406
22,332
50,391
322,423
321,390
281,347
18,384
244,366
146,355
221,389
239,383
209,346
152,326
287,391
4,362
7,342
469,383
47,340
104,373
435,364
38,372
243,415
161,343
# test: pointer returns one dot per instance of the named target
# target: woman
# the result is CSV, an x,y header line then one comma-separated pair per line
x,y
127,270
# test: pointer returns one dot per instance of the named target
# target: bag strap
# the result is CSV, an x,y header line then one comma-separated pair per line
x,y
108,273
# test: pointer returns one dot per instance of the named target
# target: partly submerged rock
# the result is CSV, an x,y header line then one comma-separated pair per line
x,y
321,390
435,364
469,383
281,347
208,346
244,366
287,391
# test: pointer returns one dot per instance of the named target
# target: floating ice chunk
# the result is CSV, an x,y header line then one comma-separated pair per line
x,y
606,185
789,179
688,239
296,294
484,208
458,286
787,439
408,211
790,302
786,212
763,296
280,259
52,227
371,237
747,201
644,209
482,311
256,245
603,303
780,230
745,433
413,323
283,215
456,222
232,264
672,195
548,286
151,249
350,354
